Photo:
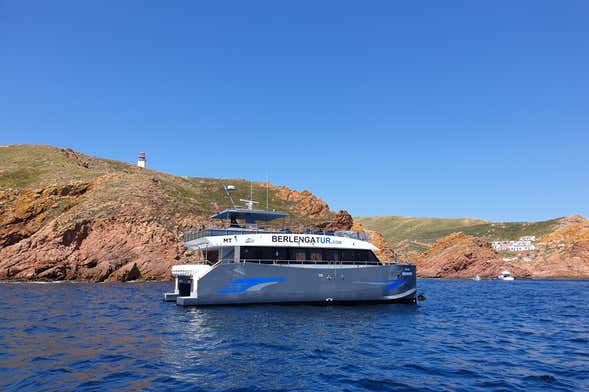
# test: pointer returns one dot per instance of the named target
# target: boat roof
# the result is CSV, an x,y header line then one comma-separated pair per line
x,y
250,216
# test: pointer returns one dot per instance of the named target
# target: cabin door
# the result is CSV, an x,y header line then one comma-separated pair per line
x,y
184,287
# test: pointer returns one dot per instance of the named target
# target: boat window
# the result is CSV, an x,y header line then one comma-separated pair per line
x,y
280,254
268,253
349,255
212,256
234,223
263,253
316,255
251,253
365,255
331,255
299,254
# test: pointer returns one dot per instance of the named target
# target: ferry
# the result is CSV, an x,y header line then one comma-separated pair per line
x,y
243,263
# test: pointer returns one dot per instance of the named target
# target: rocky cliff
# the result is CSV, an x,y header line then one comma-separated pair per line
x,y
562,253
68,216
459,256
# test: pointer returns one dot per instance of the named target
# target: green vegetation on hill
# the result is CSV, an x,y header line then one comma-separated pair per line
x,y
119,186
32,166
509,230
400,228
422,232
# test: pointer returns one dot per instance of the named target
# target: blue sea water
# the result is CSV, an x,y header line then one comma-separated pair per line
x,y
487,335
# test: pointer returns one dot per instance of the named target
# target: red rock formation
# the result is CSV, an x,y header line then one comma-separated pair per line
x,y
341,221
75,156
23,214
111,249
563,253
386,252
303,202
459,256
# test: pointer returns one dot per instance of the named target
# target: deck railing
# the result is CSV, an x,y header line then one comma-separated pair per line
x,y
196,234
291,262
192,235
315,262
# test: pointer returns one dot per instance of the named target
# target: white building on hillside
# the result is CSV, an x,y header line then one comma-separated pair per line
x,y
524,244
531,238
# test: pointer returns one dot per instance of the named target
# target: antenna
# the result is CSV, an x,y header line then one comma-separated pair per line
x,y
267,186
228,189
249,203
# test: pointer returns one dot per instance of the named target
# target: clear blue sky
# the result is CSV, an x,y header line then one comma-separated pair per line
x,y
439,108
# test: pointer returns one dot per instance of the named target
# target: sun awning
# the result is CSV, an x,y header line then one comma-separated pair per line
x,y
250,216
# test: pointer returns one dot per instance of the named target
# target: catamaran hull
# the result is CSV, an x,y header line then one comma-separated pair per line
x,y
249,283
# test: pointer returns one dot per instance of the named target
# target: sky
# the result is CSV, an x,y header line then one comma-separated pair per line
x,y
439,109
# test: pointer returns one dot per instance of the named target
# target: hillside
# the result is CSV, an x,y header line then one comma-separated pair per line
x,y
26,167
460,248
399,228
412,236
69,216
563,253
66,215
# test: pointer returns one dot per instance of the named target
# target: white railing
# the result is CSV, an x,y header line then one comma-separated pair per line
x,y
196,234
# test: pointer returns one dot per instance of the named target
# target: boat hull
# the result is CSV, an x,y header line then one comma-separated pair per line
x,y
249,283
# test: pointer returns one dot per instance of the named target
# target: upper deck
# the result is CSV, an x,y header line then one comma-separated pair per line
x,y
192,235
249,225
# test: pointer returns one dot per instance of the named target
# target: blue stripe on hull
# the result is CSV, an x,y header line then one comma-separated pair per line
x,y
241,285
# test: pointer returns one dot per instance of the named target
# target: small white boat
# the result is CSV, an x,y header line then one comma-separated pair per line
x,y
476,278
505,275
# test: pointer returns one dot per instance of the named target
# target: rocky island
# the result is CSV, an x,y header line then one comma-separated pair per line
x,y
69,216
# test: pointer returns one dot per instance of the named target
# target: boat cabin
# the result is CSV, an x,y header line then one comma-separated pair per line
x,y
243,240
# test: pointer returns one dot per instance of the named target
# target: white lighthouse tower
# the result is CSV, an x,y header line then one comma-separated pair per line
x,y
141,159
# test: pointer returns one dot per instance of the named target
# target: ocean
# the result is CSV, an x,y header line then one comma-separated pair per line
x,y
466,336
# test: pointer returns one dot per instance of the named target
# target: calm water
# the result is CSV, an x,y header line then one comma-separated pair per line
x,y
522,335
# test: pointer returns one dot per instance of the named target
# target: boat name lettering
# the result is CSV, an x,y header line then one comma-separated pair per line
x,y
301,239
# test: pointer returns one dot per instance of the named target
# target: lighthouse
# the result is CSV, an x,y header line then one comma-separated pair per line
x,y
141,159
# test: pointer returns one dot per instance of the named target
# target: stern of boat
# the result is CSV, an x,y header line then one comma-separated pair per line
x,y
186,277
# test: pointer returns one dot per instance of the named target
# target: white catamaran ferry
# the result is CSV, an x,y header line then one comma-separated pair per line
x,y
244,264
